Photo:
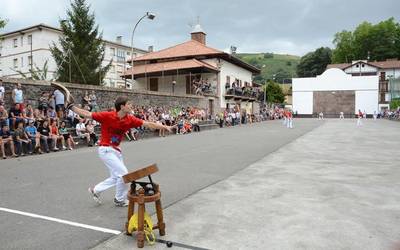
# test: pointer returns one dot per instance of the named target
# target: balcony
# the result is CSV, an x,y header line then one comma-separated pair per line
x,y
242,94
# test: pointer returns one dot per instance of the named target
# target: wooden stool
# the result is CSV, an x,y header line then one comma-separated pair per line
x,y
149,192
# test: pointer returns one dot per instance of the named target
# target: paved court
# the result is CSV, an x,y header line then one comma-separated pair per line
x,y
44,202
336,187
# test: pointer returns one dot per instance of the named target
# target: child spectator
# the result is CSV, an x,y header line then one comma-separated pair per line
x,y
67,136
33,135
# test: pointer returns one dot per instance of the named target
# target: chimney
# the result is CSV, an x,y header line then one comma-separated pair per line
x,y
150,49
119,39
198,34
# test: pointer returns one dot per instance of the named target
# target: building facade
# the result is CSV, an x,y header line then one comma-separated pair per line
x,y
335,91
26,48
180,68
386,70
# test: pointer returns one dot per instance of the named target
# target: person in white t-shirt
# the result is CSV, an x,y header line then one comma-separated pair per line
x,y
2,92
341,115
81,131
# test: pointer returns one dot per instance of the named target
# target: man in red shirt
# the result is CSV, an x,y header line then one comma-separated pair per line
x,y
114,125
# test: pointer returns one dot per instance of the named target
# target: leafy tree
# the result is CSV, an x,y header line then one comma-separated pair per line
x,y
314,63
274,93
368,41
82,47
268,55
394,103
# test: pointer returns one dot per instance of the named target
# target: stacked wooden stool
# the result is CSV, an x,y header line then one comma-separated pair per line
x,y
148,192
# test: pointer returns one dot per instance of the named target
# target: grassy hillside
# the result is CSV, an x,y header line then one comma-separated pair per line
x,y
282,66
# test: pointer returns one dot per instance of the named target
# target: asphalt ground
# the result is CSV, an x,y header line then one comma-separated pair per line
x,y
44,202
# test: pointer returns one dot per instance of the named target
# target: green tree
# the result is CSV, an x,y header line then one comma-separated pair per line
x,y
314,63
82,48
374,42
274,93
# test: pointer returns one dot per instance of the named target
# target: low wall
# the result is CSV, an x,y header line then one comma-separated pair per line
x,y
105,95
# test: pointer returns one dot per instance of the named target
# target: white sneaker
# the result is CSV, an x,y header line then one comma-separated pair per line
x,y
95,196
123,203
64,148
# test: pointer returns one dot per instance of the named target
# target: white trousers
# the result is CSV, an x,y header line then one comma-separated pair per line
x,y
112,158
289,122
359,122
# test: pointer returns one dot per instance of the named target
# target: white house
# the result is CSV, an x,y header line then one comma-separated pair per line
x,y
175,69
335,91
22,49
386,70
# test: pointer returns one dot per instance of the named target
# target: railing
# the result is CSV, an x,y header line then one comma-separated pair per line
x,y
243,93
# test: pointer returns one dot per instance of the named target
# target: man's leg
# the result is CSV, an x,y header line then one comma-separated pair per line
x,y
113,161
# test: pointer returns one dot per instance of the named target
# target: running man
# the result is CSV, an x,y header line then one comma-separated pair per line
x,y
114,125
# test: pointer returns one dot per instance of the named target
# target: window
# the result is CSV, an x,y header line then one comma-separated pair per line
x,y
22,41
112,69
30,39
29,60
363,65
357,66
15,63
119,69
15,42
112,51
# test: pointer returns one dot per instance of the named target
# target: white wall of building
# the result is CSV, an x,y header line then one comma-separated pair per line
x,y
234,72
360,67
365,87
42,39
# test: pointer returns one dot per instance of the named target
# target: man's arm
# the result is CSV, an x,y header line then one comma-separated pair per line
x,y
153,125
82,112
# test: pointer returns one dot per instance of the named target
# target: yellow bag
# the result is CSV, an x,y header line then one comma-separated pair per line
x,y
148,227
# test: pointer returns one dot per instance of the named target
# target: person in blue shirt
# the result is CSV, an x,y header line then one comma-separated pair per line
x,y
34,136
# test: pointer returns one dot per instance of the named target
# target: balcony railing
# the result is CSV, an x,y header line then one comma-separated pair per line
x,y
245,93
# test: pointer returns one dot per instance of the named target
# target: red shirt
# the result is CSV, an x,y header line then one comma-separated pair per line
x,y
113,128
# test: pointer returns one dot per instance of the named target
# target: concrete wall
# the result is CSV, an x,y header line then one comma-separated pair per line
x,y
365,88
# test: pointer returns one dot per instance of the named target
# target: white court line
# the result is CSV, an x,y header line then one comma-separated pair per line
x,y
75,224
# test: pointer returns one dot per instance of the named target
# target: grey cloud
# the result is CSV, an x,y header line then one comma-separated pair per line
x,y
285,26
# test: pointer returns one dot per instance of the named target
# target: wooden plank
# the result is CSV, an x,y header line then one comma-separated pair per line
x,y
138,174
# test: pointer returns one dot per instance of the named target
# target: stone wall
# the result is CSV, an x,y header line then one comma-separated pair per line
x,y
106,96
334,102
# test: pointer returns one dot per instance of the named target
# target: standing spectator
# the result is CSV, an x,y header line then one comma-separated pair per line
x,y
93,101
18,95
85,99
195,124
81,131
44,103
2,92
59,100
34,136
6,139
90,129
21,139
44,132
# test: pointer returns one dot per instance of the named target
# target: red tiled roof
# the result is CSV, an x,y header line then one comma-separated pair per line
x,y
386,64
389,64
338,65
167,66
189,48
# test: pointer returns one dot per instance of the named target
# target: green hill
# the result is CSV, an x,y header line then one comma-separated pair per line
x,y
273,66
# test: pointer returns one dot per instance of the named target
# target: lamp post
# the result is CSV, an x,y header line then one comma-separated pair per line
x,y
150,16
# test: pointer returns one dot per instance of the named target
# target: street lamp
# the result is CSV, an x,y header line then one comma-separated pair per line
x,y
150,16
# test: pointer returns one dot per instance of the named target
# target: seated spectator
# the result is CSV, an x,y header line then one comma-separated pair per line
x,y
67,136
29,113
93,101
2,92
55,136
195,124
34,136
52,115
21,139
81,132
15,116
3,117
90,129
6,139
72,117
44,132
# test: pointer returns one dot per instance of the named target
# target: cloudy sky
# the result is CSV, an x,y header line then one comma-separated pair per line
x,y
280,26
